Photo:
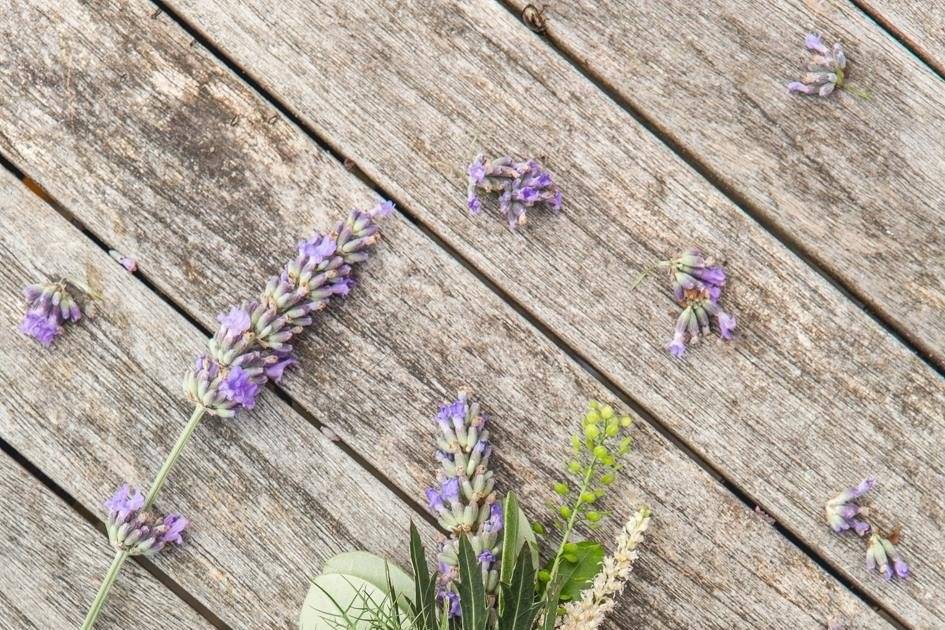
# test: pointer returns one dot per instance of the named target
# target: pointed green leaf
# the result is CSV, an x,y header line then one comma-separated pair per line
x,y
424,583
577,573
519,595
472,592
552,592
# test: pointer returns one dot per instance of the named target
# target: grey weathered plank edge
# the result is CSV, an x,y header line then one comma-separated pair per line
x,y
281,176
804,350
921,25
52,560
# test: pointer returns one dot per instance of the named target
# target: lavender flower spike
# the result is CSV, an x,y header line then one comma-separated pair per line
x,y
842,509
882,556
48,307
521,184
697,284
825,70
464,500
253,343
138,532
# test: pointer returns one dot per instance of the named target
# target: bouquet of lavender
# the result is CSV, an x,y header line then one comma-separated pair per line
x,y
251,348
488,574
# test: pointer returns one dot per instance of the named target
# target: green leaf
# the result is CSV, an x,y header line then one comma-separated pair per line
x,y
472,592
510,538
424,584
373,569
519,595
336,599
552,593
577,571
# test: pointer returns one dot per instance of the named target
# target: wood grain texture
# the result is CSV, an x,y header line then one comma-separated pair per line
x,y
812,396
269,497
53,561
857,183
162,172
921,24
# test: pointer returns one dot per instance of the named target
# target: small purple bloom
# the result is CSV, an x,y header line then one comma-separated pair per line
x,y
495,521
236,321
175,524
882,557
486,558
842,510
140,532
130,264
450,489
384,209
474,205
43,328
125,500
318,247
726,325
477,171
275,371
435,500
342,286
453,598
521,184
825,70
239,387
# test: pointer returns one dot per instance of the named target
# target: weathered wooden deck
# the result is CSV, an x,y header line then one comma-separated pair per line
x,y
204,136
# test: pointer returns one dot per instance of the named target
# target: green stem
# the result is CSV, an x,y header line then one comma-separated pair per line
x,y
646,272
574,513
172,457
121,556
106,586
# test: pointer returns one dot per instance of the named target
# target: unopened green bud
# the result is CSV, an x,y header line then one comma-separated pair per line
x,y
574,467
544,576
538,528
570,557
561,488
625,445
607,478
588,497
592,417
593,517
606,412
570,548
591,432
613,429
564,511
600,452
626,421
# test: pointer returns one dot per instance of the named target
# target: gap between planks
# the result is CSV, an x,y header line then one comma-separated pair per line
x,y
900,36
533,320
707,172
63,495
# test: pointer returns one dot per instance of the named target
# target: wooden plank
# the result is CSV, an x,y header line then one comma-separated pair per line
x,y
918,23
53,560
419,327
270,497
867,206
813,395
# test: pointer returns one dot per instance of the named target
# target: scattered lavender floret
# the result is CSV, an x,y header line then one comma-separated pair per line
x,y
48,307
130,264
521,185
825,70
697,284
842,511
140,532
252,345
882,557
463,499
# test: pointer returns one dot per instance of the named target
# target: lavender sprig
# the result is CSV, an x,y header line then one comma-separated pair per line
x,y
842,510
521,184
882,557
825,70
48,307
250,348
464,500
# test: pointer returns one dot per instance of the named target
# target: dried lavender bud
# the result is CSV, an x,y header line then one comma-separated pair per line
x,y
48,307
463,499
697,285
252,345
521,184
882,557
130,264
825,70
842,509
140,532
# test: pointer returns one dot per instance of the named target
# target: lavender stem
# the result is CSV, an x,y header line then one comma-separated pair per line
x,y
171,459
106,586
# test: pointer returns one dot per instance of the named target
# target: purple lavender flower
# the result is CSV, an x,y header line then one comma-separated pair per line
x,y
445,595
521,184
253,344
48,307
140,532
825,70
465,502
130,264
882,557
842,509
486,559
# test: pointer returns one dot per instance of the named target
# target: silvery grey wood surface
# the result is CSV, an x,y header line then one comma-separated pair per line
x,y
855,182
920,24
53,559
813,395
270,498
207,186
